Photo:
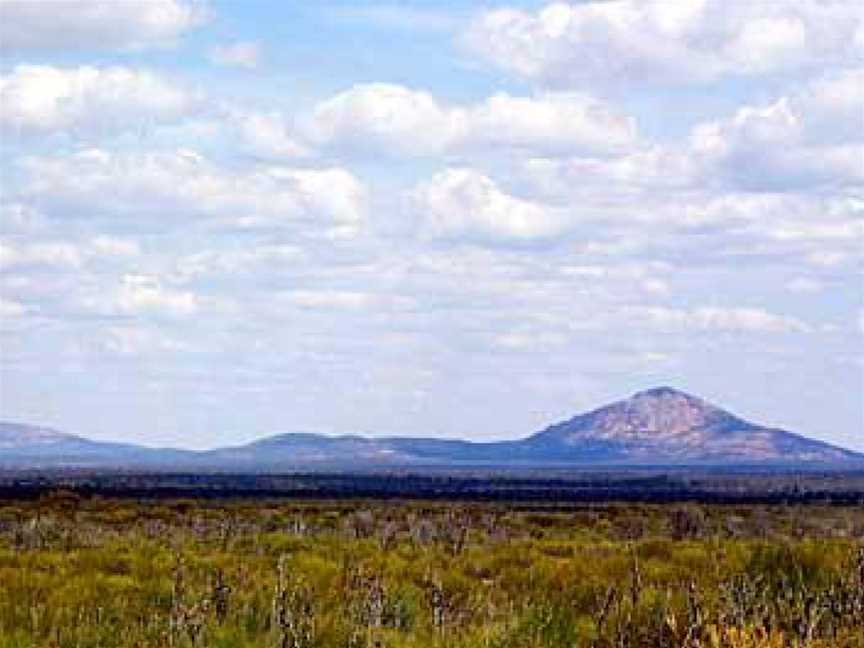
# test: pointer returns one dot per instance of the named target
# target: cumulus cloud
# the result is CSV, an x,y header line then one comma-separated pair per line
x,y
829,258
382,116
393,119
772,180
241,54
831,105
712,318
60,254
804,285
143,293
43,99
463,203
95,24
779,146
135,295
550,123
531,341
634,216
114,246
569,45
266,134
257,259
16,217
95,276
779,216
811,139
10,309
182,185
651,168
135,340
335,299
56,254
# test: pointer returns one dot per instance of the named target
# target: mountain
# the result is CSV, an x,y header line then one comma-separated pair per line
x,y
660,426
34,446
667,425
303,450
656,426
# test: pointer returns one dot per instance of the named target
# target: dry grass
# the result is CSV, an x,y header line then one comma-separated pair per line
x,y
99,573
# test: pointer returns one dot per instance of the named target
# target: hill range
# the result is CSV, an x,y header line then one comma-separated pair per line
x,y
660,426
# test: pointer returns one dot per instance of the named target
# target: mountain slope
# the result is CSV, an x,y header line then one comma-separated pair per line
x,y
304,449
667,425
660,426
34,446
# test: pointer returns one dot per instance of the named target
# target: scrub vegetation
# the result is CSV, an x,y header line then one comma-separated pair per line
x,y
96,572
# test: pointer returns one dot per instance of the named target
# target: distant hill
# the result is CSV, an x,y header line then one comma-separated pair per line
x,y
660,426
33,446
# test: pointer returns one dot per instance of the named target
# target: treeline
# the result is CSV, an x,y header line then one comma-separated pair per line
x,y
761,486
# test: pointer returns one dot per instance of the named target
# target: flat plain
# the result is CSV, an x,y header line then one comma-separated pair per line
x,y
80,568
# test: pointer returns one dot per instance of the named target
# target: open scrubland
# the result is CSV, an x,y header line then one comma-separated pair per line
x,y
93,571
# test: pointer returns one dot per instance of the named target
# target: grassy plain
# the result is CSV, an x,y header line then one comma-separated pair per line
x,y
95,572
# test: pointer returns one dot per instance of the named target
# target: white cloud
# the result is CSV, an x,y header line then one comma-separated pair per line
x,y
828,258
549,123
338,299
831,106
385,117
641,276
393,119
804,285
651,168
778,216
42,99
95,24
266,134
143,293
258,259
770,148
10,309
240,54
333,299
773,180
653,40
134,340
20,218
115,246
711,318
766,43
465,204
531,341
628,218
182,185
47,253
334,192
56,254
810,139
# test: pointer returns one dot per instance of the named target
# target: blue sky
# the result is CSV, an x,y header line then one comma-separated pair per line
x,y
222,220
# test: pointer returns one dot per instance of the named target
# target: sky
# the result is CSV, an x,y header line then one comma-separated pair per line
x,y
223,220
